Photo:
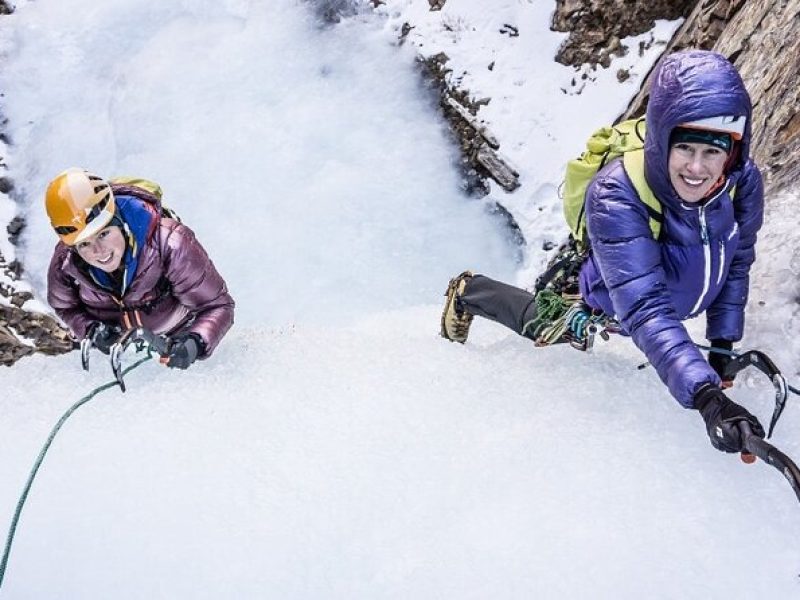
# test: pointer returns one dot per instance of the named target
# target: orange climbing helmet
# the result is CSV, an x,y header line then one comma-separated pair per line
x,y
79,205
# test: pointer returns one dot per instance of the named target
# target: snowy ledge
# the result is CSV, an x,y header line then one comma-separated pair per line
x,y
25,325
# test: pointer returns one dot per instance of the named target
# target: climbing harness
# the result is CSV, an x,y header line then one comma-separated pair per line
x,y
144,340
561,314
557,321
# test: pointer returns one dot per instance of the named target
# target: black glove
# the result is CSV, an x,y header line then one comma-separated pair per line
x,y
722,417
184,350
719,361
103,336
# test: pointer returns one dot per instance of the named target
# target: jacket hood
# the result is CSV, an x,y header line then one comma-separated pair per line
x,y
689,86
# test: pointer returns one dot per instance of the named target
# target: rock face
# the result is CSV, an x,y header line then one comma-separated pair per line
x,y
596,26
763,40
22,331
42,331
480,158
478,145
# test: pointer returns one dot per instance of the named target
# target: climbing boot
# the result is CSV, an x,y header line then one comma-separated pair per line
x,y
456,320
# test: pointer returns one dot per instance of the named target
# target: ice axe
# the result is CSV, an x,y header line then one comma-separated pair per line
x,y
770,455
143,339
762,362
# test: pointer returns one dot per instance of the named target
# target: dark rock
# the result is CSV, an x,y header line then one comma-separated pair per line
x,y
14,228
331,12
405,29
478,146
595,27
509,30
47,335
13,269
20,298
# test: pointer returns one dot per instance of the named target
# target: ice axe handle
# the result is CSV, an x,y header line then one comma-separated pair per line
x,y
771,455
752,444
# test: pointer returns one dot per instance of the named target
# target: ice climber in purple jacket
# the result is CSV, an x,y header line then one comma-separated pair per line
x,y
121,264
697,163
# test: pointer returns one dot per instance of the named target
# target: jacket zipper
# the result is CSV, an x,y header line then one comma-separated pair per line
x,y
706,260
708,267
721,260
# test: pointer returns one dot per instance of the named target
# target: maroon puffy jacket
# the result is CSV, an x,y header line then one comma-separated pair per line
x,y
176,289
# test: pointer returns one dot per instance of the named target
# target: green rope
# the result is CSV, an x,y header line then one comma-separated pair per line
x,y
550,307
37,464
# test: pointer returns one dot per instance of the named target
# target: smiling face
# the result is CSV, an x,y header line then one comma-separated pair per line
x,y
104,249
695,168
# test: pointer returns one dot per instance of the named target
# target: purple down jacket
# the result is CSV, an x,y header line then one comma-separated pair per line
x,y
174,286
702,259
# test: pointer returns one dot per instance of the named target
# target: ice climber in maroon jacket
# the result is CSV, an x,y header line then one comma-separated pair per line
x,y
697,164
121,264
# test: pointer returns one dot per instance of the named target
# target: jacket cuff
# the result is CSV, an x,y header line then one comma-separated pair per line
x,y
704,395
720,343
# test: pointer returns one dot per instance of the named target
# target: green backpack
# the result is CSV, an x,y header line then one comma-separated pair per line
x,y
149,186
625,139
146,184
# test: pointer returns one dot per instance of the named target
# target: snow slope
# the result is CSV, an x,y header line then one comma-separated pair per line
x,y
335,446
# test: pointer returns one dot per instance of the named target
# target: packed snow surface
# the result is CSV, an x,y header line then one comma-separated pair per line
x,y
334,446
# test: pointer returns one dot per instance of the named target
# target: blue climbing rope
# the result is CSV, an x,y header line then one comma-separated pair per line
x,y
12,530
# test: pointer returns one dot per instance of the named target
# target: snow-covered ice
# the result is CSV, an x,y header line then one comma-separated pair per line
x,y
335,446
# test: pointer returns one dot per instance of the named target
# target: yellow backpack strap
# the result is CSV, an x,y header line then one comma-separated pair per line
x,y
633,162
